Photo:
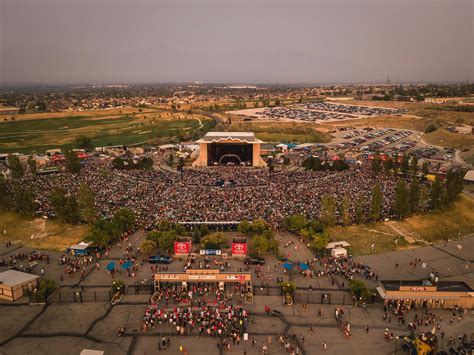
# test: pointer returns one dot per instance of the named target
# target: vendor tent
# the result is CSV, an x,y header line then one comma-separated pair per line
x,y
288,266
127,265
110,266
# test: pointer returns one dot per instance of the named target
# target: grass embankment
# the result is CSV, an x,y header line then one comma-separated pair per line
x,y
277,132
458,220
39,134
47,234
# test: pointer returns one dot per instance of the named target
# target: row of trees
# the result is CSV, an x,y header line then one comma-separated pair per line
x,y
73,209
406,165
314,163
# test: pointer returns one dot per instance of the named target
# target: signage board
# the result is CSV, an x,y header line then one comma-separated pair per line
x,y
215,252
239,249
182,248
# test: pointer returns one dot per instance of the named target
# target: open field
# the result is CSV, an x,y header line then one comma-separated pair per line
x,y
46,234
444,138
431,227
60,131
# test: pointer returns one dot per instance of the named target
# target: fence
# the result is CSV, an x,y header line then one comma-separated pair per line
x,y
323,297
140,289
66,296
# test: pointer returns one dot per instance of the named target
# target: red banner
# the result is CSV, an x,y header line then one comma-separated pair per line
x,y
239,248
182,248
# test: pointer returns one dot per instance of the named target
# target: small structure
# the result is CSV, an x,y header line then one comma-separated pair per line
x,y
91,352
15,284
339,252
469,177
341,244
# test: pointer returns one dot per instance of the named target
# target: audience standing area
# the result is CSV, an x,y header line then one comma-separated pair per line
x,y
15,284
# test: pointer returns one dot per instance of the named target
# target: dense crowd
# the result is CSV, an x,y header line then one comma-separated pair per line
x,y
242,193
227,321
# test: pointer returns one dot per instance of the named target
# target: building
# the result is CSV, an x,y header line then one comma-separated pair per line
x,y
15,284
428,294
224,148
469,177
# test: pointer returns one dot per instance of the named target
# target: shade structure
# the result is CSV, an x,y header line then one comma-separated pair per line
x,y
110,266
303,266
288,266
127,265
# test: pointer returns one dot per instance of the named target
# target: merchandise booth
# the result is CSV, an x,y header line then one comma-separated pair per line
x,y
239,247
428,294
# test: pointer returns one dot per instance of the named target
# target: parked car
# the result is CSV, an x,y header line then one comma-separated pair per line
x,y
160,259
254,261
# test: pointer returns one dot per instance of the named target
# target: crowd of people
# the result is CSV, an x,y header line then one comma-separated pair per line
x,y
219,193
223,320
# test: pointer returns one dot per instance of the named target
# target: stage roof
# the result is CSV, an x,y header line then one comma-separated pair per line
x,y
216,137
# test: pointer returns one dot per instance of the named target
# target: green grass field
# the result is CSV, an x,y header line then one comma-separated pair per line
x,y
45,133
47,234
458,220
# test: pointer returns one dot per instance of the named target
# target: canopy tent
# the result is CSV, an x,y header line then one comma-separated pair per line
x,y
127,265
110,266
288,266
303,266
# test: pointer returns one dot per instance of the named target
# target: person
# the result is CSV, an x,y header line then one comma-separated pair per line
x,y
324,346
366,329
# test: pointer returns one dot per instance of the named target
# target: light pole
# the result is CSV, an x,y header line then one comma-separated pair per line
x,y
396,345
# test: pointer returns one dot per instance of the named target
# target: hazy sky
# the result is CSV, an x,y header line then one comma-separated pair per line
x,y
85,41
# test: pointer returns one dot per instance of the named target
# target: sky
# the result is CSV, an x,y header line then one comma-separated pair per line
x,y
239,41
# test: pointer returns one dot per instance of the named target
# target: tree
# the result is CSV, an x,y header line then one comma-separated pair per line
x,y
359,289
345,212
103,233
425,168
32,165
454,184
295,223
260,226
83,142
414,165
328,209
261,244
431,128
5,195
405,165
148,246
436,194
414,196
213,240
360,211
388,165
23,199
65,206
72,164
402,203
166,240
320,241
86,202
244,227
376,165
376,203
145,163
118,163
15,166
124,219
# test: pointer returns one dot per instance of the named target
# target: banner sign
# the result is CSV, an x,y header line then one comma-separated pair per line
x,y
210,252
239,248
182,248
